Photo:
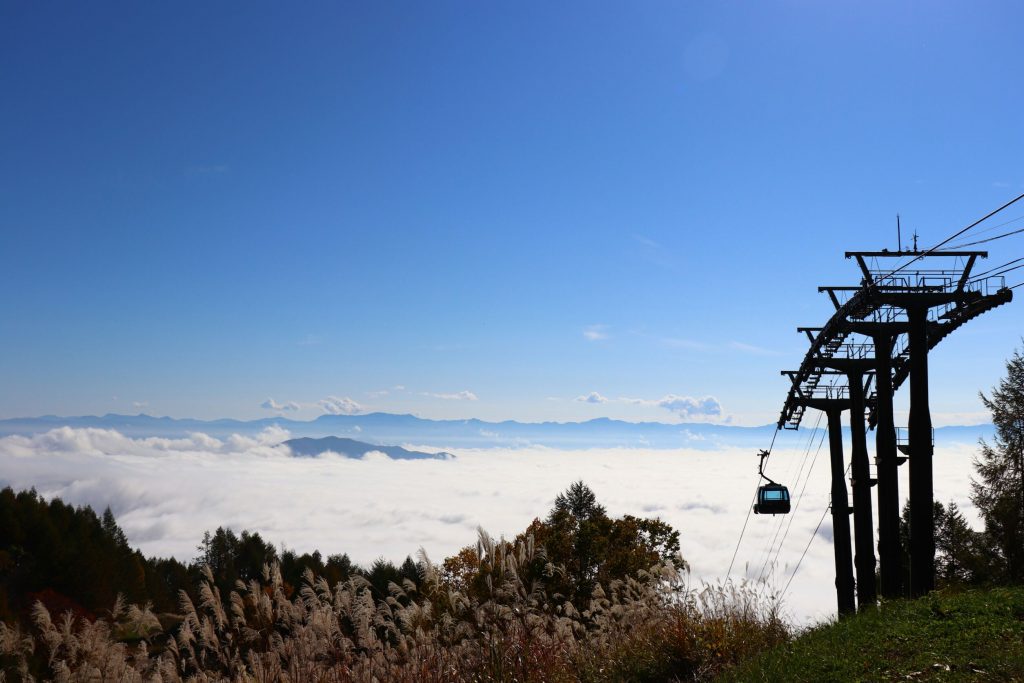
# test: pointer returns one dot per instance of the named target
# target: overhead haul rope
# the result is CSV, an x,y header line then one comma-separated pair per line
x,y
809,541
782,543
804,553
767,551
988,239
998,272
953,237
997,226
992,270
750,508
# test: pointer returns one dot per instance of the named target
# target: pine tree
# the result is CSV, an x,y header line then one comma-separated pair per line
x,y
999,490
956,546
111,529
578,501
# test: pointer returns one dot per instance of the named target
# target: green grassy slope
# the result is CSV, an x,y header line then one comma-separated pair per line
x,y
968,636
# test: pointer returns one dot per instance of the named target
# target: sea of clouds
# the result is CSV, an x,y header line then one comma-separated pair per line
x,y
166,492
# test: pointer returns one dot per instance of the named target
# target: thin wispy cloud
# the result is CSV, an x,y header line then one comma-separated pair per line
x,y
271,404
652,251
457,396
688,344
646,241
753,350
684,343
592,397
595,332
339,405
311,340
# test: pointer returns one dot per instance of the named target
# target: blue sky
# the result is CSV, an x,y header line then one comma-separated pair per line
x,y
481,209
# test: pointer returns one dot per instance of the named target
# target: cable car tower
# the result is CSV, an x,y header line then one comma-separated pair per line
x,y
878,337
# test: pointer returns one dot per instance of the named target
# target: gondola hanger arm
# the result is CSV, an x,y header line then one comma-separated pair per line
x,y
763,455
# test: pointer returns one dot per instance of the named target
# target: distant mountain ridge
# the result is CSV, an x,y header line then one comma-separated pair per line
x,y
350,448
389,428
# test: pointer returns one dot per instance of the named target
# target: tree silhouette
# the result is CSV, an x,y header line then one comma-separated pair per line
x,y
999,490
593,548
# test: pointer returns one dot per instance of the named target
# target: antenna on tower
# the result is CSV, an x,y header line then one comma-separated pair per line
x,y
915,240
899,236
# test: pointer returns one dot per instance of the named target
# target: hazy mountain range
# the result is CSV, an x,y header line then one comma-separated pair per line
x,y
391,429
350,448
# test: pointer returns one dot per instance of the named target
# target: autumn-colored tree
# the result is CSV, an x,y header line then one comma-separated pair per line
x,y
459,570
579,536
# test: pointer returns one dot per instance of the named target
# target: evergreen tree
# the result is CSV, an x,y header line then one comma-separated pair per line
x,y
112,530
999,490
956,546
579,502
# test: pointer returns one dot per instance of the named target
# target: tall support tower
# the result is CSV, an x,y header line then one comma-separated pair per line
x,y
833,401
887,461
900,314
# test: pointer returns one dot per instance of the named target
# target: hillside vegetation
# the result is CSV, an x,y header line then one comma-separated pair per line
x,y
974,635
578,596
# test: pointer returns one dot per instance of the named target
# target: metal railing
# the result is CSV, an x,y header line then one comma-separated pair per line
x,y
903,436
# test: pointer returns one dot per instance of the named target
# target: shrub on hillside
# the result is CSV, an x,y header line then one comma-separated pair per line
x,y
648,627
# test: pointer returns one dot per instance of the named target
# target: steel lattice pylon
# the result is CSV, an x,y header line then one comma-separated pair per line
x,y
878,337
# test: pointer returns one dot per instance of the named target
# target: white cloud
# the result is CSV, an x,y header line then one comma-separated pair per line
x,y
592,397
343,405
595,332
271,404
689,407
166,492
684,406
139,405
457,396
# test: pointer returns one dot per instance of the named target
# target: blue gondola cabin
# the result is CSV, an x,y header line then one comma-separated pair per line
x,y
772,499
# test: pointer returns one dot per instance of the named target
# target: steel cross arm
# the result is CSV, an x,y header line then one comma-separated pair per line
x,y
809,331
966,273
929,299
925,289
792,374
870,327
899,254
845,365
869,277
963,313
955,319
829,332
825,404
